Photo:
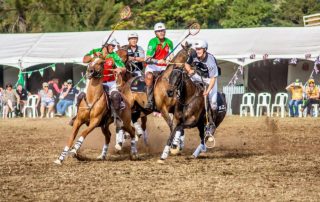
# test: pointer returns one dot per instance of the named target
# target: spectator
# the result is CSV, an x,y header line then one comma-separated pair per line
x,y
312,94
296,89
63,87
1,99
54,87
10,100
23,95
46,97
68,96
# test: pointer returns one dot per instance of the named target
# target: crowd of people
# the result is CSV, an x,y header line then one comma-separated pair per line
x,y
304,96
50,99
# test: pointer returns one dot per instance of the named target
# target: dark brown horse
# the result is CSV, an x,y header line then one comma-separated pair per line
x,y
163,102
189,111
94,110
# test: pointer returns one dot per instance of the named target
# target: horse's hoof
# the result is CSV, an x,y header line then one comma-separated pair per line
x,y
134,157
101,157
73,153
58,162
161,161
118,147
175,151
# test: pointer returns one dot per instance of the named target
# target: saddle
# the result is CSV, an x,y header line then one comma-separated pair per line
x,y
220,102
139,85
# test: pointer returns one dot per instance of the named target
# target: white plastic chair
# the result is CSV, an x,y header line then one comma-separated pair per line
x,y
314,111
280,102
247,103
264,100
72,109
32,105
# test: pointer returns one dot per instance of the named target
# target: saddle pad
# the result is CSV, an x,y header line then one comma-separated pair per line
x,y
138,84
220,102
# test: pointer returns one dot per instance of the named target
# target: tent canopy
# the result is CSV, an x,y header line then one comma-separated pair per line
x,y
25,50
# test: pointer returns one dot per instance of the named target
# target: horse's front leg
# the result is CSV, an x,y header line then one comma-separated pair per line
x,y
93,124
107,135
76,126
166,149
165,114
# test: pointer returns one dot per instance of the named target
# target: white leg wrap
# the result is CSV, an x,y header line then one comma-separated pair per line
x,y
138,128
64,153
165,152
182,141
176,139
133,147
104,150
120,136
78,144
200,148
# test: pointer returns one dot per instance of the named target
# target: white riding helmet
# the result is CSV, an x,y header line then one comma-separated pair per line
x,y
201,44
159,26
132,35
112,42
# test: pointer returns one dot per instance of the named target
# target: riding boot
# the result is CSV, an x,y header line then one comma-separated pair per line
x,y
81,96
150,102
117,106
211,127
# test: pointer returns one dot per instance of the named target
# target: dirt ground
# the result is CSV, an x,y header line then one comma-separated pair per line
x,y
254,159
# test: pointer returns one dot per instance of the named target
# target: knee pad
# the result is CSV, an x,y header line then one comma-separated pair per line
x,y
115,99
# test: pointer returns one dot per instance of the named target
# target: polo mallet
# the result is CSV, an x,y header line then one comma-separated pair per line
x,y
194,29
124,15
209,140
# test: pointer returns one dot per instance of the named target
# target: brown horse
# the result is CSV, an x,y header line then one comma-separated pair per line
x,y
189,111
95,111
163,102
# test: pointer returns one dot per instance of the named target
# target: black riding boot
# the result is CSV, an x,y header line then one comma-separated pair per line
x,y
117,106
81,96
211,126
150,102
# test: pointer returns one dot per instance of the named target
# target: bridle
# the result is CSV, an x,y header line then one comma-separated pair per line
x,y
92,73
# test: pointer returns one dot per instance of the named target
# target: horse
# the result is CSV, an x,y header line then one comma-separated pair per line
x,y
163,102
189,111
95,111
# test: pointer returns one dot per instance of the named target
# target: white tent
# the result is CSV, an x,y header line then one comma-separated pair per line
x,y
234,45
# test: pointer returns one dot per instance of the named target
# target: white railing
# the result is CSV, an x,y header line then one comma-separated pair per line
x,y
229,91
311,20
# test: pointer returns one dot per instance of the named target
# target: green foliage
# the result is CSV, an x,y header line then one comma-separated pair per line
x,y
248,13
88,15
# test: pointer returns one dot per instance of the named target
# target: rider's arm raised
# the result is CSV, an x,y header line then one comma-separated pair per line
x,y
188,67
94,52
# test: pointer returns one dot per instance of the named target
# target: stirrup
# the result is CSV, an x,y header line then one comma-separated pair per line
x,y
209,139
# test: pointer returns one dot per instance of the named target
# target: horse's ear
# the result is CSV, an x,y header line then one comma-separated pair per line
x,y
186,46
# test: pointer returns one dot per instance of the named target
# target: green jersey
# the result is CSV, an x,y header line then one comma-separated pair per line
x,y
157,50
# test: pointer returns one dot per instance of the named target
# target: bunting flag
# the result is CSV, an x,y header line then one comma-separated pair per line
x,y
316,63
29,74
276,61
41,72
53,67
293,61
235,77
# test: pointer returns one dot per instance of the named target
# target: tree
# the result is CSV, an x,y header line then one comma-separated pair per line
x,y
248,13
290,13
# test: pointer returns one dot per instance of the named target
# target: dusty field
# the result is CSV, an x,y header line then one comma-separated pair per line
x,y
255,159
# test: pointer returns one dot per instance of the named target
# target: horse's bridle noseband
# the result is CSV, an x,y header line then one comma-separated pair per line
x,y
94,73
